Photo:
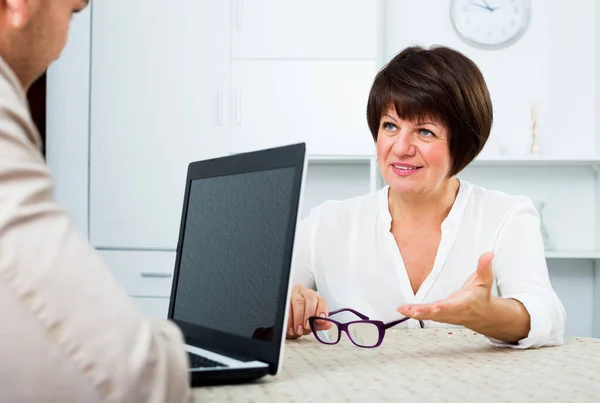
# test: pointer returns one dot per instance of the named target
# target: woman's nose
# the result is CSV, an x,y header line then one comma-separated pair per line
x,y
403,144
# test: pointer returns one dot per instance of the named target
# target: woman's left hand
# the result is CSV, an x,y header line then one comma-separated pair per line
x,y
464,307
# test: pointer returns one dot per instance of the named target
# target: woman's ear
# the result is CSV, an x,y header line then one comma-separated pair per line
x,y
15,11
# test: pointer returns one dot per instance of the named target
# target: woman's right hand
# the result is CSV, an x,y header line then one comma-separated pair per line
x,y
305,303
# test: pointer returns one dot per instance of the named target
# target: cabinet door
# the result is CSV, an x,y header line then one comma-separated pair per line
x,y
153,307
160,79
309,29
320,102
142,273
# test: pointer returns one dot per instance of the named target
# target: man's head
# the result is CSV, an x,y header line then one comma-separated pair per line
x,y
33,34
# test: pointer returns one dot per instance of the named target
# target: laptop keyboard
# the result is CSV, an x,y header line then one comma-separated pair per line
x,y
197,361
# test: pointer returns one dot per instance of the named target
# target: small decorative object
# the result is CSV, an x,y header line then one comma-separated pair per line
x,y
540,206
490,24
534,147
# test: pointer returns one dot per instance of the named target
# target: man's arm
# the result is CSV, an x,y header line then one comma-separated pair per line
x,y
67,295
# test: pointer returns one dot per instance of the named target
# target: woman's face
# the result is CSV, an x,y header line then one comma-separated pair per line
x,y
413,157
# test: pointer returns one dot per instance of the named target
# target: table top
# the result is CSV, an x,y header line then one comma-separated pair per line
x,y
425,365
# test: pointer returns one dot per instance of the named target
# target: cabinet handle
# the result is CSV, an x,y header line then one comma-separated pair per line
x,y
220,108
238,107
156,275
240,14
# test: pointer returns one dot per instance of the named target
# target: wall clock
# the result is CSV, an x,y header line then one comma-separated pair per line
x,y
490,24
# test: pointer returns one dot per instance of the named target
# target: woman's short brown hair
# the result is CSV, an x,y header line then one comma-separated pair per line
x,y
441,84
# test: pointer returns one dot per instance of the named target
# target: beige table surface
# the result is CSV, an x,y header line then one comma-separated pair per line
x,y
425,365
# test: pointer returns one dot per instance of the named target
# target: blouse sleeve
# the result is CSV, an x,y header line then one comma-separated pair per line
x,y
302,263
521,274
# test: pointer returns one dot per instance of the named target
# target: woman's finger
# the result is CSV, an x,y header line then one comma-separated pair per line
x,y
290,332
298,304
310,307
433,311
416,311
322,310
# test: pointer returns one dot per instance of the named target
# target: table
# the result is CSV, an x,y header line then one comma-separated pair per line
x,y
424,365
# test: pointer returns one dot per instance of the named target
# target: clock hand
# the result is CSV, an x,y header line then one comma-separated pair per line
x,y
492,9
481,6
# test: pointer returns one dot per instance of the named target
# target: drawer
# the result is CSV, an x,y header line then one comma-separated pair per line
x,y
142,273
153,307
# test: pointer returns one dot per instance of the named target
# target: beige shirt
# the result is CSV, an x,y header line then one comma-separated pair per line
x,y
68,332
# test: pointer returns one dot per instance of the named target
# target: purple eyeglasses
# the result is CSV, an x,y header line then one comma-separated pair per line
x,y
363,333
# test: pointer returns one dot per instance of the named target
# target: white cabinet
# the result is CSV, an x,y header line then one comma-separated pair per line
x,y
302,71
320,102
142,273
146,276
161,98
159,91
153,307
310,29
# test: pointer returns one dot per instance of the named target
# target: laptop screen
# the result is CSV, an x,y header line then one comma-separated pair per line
x,y
233,250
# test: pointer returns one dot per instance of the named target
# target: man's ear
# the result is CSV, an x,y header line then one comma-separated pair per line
x,y
16,12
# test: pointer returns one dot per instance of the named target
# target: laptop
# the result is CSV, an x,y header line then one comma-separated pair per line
x,y
231,283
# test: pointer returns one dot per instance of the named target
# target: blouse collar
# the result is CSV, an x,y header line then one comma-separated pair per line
x,y
450,223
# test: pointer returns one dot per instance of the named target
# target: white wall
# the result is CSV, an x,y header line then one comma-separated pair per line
x,y
554,63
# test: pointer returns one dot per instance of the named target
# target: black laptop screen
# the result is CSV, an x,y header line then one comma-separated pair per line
x,y
233,251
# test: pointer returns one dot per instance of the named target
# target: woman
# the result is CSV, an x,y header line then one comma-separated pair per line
x,y
429,246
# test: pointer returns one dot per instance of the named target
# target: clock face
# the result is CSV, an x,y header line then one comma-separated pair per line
x,y
490,24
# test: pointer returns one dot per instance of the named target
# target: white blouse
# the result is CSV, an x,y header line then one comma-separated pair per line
x,y
346,252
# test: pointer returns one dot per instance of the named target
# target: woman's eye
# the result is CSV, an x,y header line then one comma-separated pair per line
x,y
389,126
426,133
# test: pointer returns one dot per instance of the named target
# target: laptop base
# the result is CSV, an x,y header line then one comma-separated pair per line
x,y
226,377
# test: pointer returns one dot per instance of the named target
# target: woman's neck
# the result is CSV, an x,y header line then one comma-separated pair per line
x,y
423,209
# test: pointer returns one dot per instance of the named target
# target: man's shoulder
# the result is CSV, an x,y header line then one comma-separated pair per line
x,y
12,92
17,130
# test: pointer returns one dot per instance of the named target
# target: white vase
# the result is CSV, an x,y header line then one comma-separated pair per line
x,y
540,206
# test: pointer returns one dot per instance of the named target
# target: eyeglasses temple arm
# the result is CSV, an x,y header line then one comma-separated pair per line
x,y
396,322
360,315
